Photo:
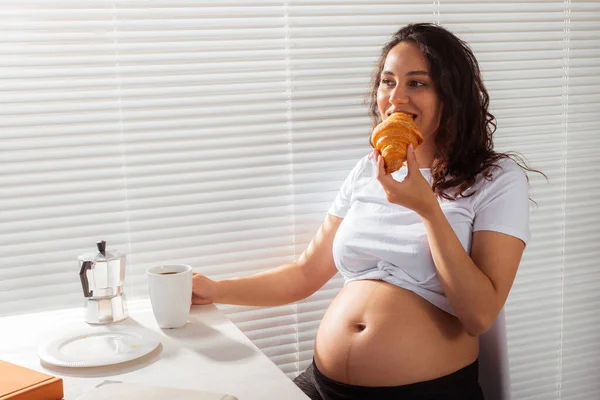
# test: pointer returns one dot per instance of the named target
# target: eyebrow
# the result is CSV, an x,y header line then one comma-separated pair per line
x,y
410,73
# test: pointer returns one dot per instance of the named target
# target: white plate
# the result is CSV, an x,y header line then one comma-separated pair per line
x,y
94,348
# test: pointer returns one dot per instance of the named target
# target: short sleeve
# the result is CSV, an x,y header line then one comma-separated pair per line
x,y
342,202
503,203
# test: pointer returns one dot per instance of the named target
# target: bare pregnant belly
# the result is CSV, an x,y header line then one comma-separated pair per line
x,y
377,334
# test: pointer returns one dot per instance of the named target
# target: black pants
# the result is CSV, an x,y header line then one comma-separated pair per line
x,y
460,385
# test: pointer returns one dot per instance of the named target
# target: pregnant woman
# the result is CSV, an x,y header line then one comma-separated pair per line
x,y
429,251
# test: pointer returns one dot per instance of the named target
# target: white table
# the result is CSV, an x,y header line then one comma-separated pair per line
x,y
209,353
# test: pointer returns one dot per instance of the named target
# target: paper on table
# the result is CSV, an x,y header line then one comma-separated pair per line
x,y
134,391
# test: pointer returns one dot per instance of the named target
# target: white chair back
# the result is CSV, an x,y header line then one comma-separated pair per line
x,y
494,371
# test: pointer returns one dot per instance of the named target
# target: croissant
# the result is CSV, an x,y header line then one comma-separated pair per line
x,y
392,137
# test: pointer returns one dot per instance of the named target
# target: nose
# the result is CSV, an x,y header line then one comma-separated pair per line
x,y
399,96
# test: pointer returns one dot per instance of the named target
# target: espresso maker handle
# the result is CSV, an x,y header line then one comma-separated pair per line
x,y
84,280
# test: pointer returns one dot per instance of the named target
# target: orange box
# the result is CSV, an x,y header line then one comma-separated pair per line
x,y
20,383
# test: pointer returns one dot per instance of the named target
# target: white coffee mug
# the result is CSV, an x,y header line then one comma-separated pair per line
x,y
170,289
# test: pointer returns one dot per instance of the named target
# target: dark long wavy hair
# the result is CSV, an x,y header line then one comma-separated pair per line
x,y
464,145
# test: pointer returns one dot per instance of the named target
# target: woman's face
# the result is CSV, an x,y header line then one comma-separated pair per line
x,y
406,85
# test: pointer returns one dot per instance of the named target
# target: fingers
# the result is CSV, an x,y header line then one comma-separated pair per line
x,y
385,180
411,160
373,155
199,300
382,175
380,163
203,289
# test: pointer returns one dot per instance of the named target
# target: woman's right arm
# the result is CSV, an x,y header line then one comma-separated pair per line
x,y
281,285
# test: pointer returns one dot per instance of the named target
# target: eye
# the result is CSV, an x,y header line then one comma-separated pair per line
x,y
388,82
416,84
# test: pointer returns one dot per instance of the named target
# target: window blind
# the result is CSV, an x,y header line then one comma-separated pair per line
x,y
63,182
521,50
580,355
218,133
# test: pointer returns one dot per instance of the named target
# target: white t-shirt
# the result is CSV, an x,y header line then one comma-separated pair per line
x,y
384,241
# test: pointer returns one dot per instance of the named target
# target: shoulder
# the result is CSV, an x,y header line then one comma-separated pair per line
x,y
502,203
504,180
364,167
503,170
496,174
366,161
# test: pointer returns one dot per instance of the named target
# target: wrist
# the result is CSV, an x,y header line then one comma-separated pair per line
x,y
431,212
218,290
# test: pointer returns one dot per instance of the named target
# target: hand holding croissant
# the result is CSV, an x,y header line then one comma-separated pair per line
x,y
392,137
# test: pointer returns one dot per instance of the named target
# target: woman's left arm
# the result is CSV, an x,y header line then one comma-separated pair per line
x,y
476,285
